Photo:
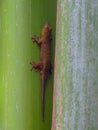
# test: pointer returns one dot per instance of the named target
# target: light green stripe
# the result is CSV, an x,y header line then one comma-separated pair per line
x,y
76,63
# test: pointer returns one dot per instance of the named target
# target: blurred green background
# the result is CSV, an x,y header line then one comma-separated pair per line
x,y
20,96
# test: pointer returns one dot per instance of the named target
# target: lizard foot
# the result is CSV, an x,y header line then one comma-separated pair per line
x,y
35,39
32,64
36,65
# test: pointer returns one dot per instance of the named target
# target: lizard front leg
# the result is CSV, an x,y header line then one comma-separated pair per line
x,y
37,65
36,39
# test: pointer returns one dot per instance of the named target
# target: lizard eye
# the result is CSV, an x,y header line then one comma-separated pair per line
x,y
50,29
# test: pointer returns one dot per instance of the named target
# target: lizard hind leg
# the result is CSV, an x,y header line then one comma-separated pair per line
x,y
36,65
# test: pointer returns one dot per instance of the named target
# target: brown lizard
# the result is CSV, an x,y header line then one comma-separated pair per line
x,y
44,66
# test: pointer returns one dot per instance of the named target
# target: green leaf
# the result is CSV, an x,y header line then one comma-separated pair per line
x,y
20,96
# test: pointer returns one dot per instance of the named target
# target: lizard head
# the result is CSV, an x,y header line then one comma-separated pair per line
x,y
47,26
46,31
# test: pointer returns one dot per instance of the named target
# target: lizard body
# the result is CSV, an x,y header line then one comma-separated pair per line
x,y
44,66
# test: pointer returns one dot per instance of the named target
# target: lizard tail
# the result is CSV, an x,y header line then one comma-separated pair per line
x,y
43,98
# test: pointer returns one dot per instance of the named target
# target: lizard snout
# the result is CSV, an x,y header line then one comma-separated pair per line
x,y
47,25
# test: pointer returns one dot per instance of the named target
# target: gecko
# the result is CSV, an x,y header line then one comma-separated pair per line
x,y
44,65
